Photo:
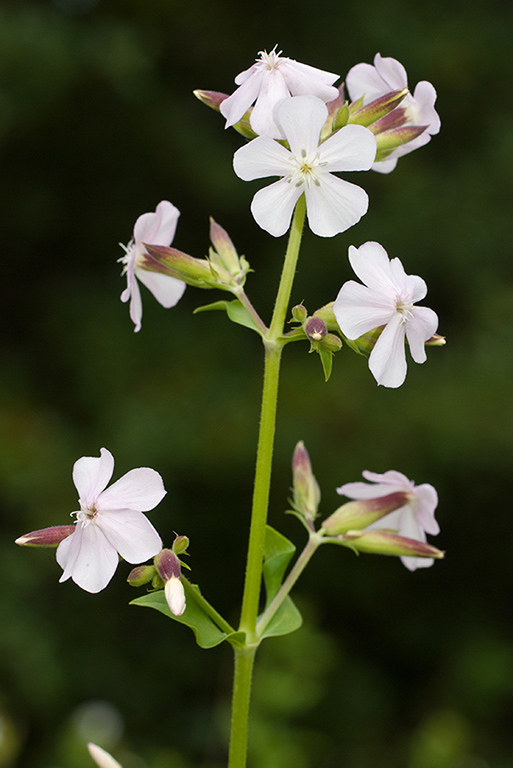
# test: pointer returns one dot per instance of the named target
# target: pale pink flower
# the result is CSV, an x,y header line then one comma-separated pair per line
x,y
387,75
268,82
333,205
387,299
101,757
156,228
110,521
413,520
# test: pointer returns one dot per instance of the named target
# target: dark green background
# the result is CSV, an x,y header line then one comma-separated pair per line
x,y
97,125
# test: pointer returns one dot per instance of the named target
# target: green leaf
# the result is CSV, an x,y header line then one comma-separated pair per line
x,y
278,552
327,362
286,619
235,311
206,632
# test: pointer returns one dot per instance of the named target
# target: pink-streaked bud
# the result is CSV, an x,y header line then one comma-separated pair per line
x,y
381,542
169,570
212,99
141,575
46,537
378,109
436,340
175,596
101,757
315,328
224,258
306,492
389,140
170,261
364,512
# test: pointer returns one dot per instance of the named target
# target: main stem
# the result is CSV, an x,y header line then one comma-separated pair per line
x,y
244,658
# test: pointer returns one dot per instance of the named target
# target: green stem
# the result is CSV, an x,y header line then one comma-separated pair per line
x,y
244,657
206,607
243,673
311,546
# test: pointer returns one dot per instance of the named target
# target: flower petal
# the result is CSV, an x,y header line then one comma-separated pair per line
x,y
419,328
364,80
426,501
352,148
301,119
387,361
140,489
391,72
334,205
371,264
425,97
87,557
157,228
236,105
101,757
91,475
358,310
167,290
304,80
130,533
272,207
273,91
260,158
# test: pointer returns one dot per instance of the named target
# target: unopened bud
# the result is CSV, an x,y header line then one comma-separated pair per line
x,y
212,99
46,537
141,575
170,261
379,108
315,328
168,568
436,340
359,514
326,314
180,545
299,313
379,542
224,257
307,494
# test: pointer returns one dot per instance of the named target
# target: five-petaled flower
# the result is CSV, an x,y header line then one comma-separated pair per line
x,y
333,205
413,520
110,521
387,299
269,81
387,75
156,228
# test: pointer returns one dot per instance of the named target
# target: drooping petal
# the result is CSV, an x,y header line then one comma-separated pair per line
x,y
390,478
387,361
260,158
272,207
391,72
352,148
236,105
420,327
87,557
91,475
167,290
133,293
130,533
426,501
412,530
273,91
359,310
425,97
334,205
304,80
301,119
157,228
361,490
363,79
140,489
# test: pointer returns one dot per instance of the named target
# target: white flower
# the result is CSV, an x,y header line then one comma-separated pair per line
x,y
269,81
413,520
156,228
387,298
109,521
101,757
333,205
175,595
387,75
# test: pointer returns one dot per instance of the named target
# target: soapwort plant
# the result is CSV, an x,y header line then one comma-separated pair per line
x,y
298,126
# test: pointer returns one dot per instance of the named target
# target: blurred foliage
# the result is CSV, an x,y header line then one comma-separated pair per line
x,y
97,125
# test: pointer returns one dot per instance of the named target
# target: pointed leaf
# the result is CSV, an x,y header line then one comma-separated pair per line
x,y
278,552
206,632
286,620
235,311
327,362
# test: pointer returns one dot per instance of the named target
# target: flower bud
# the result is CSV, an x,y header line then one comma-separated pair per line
x,y
326,314
46,537
378,109
141,575
170,261
315,328
168,568
381,542
299,314
180,545
306,492
436,340
361,513
388,140
224,257
212,99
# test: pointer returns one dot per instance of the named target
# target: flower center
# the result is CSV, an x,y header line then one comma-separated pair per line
x,y
86,513
405,309
305,170
270,60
